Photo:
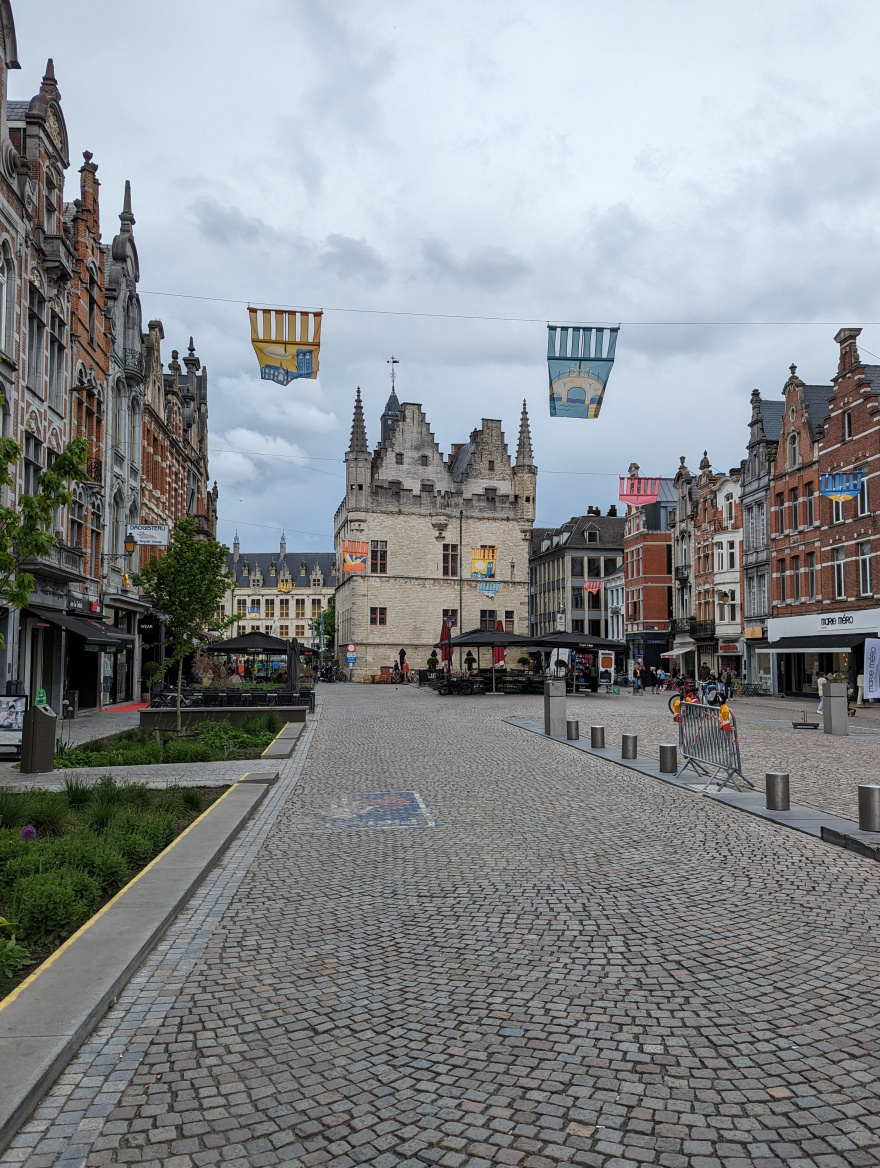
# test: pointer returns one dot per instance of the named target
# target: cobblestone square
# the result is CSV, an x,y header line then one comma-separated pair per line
x,y
577,965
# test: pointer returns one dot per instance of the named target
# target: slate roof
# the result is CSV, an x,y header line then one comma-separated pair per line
x,y
816,397
460,463
772,413
16,110
611,530
294,561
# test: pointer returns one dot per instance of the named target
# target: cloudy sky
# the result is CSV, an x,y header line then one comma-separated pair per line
x,y
705,174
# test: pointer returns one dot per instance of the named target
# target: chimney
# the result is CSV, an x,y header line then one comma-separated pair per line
x,y
849,354
612,510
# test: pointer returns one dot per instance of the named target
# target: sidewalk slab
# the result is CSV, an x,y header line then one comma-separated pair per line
x,y
822,825
45,1020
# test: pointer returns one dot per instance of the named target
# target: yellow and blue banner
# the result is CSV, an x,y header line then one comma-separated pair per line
x,y
354,555
483,561
840,487
579,361
286,342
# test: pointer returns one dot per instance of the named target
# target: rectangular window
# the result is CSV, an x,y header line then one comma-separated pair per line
x,y
577,626
837,511
793,497
254,606
300,609
36,340
56,362
284,608
491,464
780,512
865,569
781,568
33,463
847,425
284,630
379,556
731,553
795,577
577,598
427,488
488,619
316,609
270,607
450,615
594,568
51,208
811,576
719,557
577,566
762,592
423,460
450,559
508,620
491,494
752,596
592,535
300,630
241,606
862,507
378,616
839,574
395,486
93,306
398,458
609,564
810,517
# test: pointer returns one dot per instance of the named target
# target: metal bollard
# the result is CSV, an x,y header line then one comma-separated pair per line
x,y
668,758
629,746
597,737
776,784
572,729
869,806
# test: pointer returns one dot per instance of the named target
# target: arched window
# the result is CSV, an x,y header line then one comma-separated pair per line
x,y
792,449
4,275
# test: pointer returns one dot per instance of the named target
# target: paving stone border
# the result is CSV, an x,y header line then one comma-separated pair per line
x,y
44,1021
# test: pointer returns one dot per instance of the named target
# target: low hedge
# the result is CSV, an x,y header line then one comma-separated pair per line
x,y
209,742
64,853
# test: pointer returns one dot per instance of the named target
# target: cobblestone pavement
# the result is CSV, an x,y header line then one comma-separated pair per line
x,y
825,771
576,965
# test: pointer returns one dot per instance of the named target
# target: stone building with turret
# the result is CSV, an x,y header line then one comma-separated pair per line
x,y
424,535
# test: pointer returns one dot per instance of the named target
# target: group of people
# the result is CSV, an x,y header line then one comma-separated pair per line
x,y
645,679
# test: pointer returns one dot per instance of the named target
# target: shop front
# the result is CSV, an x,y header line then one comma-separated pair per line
x,y
730,656
646,648
803,647
66,653
757,658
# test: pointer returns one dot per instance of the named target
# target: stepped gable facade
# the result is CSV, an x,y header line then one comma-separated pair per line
x,y
427,525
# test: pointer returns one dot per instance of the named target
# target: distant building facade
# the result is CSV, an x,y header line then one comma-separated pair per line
x,y
568,570
647,559
429,536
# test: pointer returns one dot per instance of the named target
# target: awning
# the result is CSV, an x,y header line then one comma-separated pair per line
x,y
94,632
832,643
681,650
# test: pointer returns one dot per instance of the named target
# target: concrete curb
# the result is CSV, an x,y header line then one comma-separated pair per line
x,y
46,1019
284,742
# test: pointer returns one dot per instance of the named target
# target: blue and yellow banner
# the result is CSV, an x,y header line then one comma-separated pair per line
x,y
840,487
483,561
579,361
286,342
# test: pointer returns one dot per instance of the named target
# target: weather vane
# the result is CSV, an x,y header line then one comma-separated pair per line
x,y
392,361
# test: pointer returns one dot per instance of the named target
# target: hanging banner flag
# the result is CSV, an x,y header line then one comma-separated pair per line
x,y
354,555
841,486
637,491
592,585
286,343
872,668
483,562
579,361
254,611
489,587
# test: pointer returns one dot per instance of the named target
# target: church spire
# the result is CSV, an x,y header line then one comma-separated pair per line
x,y
524,456
358,443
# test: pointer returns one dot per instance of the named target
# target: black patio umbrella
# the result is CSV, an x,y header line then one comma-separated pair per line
x,y
249,643
488,638
574,641
293,665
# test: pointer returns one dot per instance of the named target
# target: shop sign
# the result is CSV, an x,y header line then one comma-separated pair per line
x,y
754,633
728,648
840,620
149,534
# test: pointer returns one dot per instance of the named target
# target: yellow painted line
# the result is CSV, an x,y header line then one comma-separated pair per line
x,y
53,957
272,743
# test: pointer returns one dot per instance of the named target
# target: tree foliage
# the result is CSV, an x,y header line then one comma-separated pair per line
x,y
26,531
329,615
185,587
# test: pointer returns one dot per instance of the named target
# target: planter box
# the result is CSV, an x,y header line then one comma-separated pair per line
x,y
163,719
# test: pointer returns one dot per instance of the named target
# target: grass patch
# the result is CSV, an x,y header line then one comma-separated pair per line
x,y
90,841
141,746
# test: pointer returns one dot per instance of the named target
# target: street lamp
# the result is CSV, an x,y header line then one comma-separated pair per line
x,y
130,544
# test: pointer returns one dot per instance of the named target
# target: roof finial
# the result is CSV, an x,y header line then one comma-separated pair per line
x,y
192,347
126,218
358,443
524,455
392,361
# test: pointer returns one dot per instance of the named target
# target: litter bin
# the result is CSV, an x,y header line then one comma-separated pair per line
x,y
39,729
72,697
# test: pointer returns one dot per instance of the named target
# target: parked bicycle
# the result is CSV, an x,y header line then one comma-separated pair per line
x,y
455,685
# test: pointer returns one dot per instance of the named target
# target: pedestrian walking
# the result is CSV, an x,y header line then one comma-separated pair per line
x,y
860,685
652,680
727,684
637,681
820,685
405,671
661,678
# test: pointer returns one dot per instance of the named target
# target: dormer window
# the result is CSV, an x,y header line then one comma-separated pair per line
x,y
302,569
592,536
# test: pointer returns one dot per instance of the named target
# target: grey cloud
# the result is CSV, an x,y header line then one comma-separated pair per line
x,y
221,223
491,269
353,259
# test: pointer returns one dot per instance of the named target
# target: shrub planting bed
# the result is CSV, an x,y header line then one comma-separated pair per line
x,y
209,741
65,853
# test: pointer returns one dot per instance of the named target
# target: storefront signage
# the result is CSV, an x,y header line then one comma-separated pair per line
x,y
728,649
149,534
841,620
754,633
872,667
862,620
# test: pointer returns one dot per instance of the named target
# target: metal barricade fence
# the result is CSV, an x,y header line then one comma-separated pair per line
x,y
709,747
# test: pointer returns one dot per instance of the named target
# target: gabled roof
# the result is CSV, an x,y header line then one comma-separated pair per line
x,y
459,464
293,560
772,413
816,397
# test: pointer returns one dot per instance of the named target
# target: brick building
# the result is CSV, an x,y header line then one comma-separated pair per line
x,y
647,560
440,535
824,550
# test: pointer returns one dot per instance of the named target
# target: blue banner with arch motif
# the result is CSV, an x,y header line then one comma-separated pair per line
x,y
579,361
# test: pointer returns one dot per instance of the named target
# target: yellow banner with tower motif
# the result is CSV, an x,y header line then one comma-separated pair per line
x,y
483,560
286,342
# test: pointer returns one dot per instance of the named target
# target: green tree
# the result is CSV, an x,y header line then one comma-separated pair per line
x,y
185,587
26,531
329,624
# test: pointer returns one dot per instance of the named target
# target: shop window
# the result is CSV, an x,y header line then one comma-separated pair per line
x,y
508,621
379,556
839,574
865,569
450,559
378,616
